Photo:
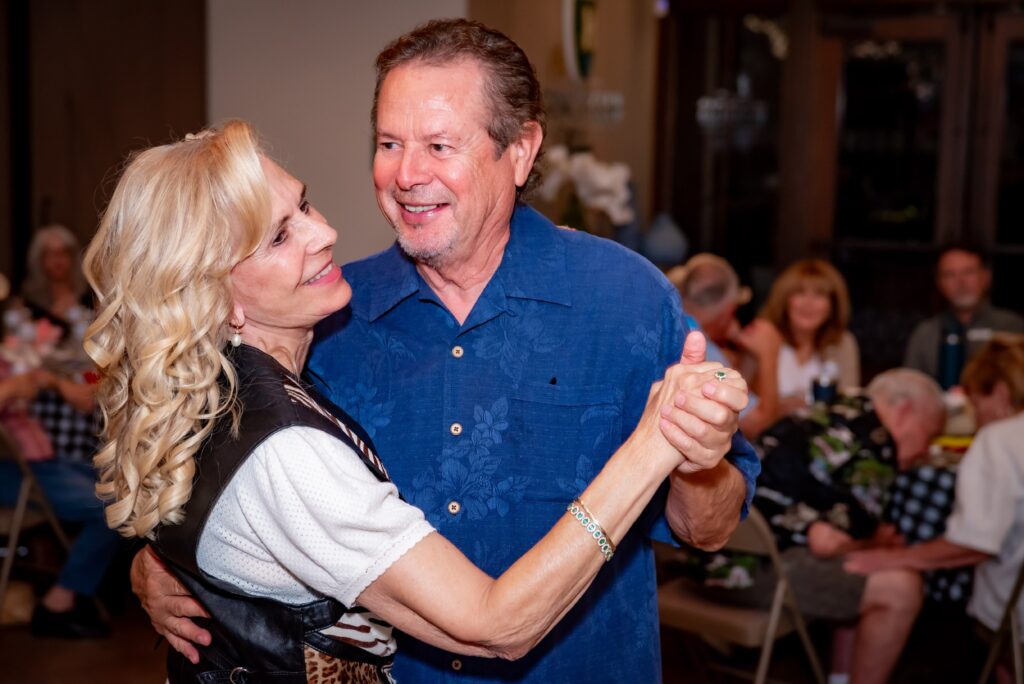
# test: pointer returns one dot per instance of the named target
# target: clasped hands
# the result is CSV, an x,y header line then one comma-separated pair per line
x,y
699,403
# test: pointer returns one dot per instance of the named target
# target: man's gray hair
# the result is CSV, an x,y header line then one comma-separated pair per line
x,y
901,385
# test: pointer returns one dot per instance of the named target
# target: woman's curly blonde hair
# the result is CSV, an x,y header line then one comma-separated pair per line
x,y
181,217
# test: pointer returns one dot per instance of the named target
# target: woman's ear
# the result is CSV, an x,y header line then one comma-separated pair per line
x,y
237,317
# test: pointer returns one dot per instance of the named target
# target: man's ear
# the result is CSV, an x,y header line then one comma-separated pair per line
x,y
524,151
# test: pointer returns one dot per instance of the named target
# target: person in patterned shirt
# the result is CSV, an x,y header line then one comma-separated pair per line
x,y
984,530
824,485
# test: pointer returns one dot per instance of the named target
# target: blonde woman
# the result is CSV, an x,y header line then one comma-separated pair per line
x,y
211,268
809,305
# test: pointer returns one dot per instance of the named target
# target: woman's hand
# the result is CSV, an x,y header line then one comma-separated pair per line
x,y
761,339
20,386
699,407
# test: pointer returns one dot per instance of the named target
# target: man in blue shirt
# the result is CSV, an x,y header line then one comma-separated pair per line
x,y
498,361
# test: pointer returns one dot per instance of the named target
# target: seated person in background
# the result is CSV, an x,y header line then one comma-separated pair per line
x,y
62,408
823,489
941,345
809,305
55,287
711,293
987,523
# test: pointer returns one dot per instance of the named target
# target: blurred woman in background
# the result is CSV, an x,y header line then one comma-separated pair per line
x,y
809,305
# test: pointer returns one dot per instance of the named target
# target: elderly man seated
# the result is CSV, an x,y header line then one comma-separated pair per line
x,y
825,478
987,523
710,291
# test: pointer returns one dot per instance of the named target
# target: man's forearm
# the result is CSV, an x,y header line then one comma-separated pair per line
x,y
703,508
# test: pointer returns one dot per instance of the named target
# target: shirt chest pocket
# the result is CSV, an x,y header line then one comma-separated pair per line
x,y
563,436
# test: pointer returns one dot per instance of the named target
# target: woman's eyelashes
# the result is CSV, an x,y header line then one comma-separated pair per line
x,y
281,235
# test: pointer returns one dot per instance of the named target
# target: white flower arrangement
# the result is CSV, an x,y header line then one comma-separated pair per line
x,y
598,185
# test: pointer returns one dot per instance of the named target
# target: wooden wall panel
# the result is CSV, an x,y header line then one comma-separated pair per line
x,y
107,77
808,147
6,234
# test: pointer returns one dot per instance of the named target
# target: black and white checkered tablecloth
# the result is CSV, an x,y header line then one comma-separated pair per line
x,y
75,435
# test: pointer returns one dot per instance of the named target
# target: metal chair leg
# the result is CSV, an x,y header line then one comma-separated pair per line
x,y
1015,644
805,638
12,537
769,636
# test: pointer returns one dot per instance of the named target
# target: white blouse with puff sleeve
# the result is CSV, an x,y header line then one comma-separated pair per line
x,y
304,517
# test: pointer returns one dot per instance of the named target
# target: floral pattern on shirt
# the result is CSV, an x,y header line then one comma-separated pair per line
x,y
645,342
834,464
829,463
514,339
361,399
466,473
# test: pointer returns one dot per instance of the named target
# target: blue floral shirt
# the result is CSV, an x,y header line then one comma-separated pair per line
x,y
492,427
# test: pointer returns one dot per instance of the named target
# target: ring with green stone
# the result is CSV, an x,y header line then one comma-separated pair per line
x,y
720,375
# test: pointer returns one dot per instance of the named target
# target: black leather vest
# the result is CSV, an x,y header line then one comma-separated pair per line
x,y
259,640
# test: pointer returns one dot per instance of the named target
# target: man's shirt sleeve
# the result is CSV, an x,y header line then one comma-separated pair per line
x,y
676,326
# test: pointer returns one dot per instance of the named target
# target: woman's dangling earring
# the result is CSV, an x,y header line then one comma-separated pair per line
x,y
236,339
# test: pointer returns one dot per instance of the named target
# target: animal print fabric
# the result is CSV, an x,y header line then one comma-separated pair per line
x,y
324,669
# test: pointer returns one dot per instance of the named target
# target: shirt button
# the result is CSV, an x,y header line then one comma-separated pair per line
x,y
456,429
454,507
456,664
458,351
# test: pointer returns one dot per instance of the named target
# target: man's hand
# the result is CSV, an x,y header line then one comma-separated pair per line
x,y
168,604
702,419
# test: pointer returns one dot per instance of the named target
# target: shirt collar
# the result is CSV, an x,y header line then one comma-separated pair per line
x,y
533,267
395,280
534,263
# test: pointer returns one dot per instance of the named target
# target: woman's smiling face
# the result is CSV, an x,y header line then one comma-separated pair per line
x,y
809,307
291,281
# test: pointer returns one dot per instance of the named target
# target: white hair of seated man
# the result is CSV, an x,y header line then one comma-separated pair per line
x,y
898,385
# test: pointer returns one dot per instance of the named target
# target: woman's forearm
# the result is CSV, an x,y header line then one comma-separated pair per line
x,y
536,592
437,595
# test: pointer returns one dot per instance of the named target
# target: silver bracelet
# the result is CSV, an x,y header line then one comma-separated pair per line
x,y
593,528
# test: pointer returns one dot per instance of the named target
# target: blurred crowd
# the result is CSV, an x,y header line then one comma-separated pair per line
x,y
878,513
